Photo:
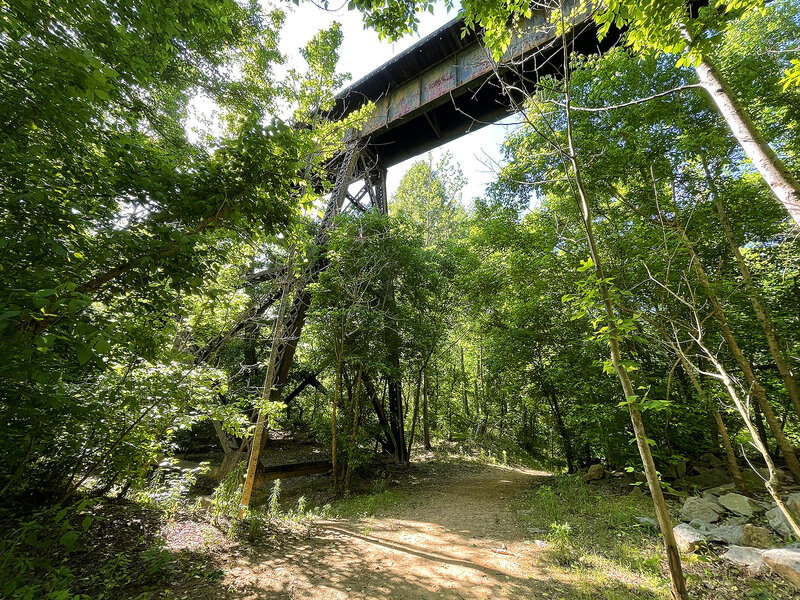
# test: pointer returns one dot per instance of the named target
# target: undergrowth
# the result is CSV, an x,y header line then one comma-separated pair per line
x,y
592,539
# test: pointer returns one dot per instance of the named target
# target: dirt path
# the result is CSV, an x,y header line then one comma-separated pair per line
x,y
452,539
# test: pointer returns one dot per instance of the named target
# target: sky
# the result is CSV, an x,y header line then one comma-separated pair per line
x,y
362,51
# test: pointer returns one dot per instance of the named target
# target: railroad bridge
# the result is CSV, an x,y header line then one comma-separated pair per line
x,y
444,86
447,85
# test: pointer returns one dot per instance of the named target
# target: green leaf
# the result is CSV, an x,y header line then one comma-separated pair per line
x,y
68,540
85,354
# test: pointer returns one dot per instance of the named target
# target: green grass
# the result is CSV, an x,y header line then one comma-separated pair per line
x,y
366,505
594,539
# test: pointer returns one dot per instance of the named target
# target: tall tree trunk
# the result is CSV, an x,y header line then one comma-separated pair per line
x,y
353,435
733,465
756,301
775,173
396,421
223,440
772,483
677,582
569,452
336,395
464,385
757,390
415,413
480,378
758,417
426,432
389,443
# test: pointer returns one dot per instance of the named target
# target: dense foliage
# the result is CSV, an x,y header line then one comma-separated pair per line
x,y
143,251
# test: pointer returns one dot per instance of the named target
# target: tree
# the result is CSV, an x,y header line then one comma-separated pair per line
x,y
124,237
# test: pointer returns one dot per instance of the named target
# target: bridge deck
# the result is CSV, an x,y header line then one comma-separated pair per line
x,y
444,86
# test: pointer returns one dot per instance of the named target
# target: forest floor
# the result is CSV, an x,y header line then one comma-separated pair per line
x,y
455,528
447,528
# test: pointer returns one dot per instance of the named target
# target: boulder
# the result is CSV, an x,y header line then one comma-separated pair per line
x,y
595,472
720,489
712,459
713,499
687,537
753,480
736,521
793,504
778,522
635,476
697,508
737,504
727,534
709,477
785,562
701,525
647,522
748,558
676,470
754,536
780,475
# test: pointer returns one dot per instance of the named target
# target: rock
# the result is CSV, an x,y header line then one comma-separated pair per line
x,y
595,472
736,521
636,490
793,504
737,504
175,464
709,477
720,489
785,562
687,537
713,499
753,480
536,531
748,558
647,522
676,470
712,459
780,474
636,476
754,536
701,525
697,508
727,534
778,522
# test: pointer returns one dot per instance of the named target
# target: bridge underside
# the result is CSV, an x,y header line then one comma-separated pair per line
x,y
446,86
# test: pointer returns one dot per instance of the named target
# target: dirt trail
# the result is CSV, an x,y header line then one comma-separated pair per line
x,y
456,538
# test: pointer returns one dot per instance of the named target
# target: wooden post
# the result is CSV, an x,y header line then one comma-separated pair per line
x,y
269,380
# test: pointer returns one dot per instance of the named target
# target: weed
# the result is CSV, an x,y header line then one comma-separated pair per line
x,y
29,555
226,500
560,545
274,499
167,490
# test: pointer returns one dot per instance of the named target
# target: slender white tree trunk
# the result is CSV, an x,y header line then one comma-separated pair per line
x,y
775,173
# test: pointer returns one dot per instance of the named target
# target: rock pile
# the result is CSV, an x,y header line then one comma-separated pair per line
x,y
750,528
